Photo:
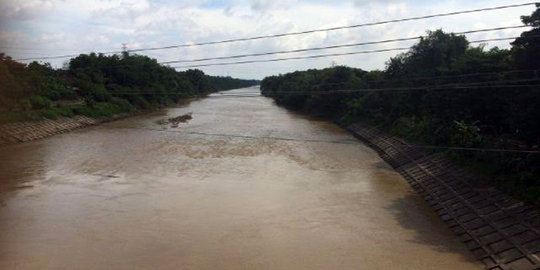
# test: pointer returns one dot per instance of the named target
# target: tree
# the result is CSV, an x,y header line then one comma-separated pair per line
x,y
431,56
527,47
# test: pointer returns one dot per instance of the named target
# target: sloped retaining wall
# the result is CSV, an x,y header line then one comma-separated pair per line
x,y
30,130
500,231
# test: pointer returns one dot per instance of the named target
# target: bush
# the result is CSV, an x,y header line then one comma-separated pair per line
x,y
140,102
353,110
414,128
465,135
103,109
39,102
58,91
123,104
10,117
25,104
99,93
54,113
50,114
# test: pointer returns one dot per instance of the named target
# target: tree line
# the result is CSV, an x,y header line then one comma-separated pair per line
x,y
97,85
444,92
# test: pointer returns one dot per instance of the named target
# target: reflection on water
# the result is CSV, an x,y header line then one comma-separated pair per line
x,y
244,184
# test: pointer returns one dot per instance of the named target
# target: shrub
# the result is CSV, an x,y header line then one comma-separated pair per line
x,y
465,135
54,113
51,114
123,104
25,104
10,117
99,93
39,102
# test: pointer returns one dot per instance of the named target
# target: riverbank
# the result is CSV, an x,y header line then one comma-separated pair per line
x,y
500,231
33,130
25,131
92,89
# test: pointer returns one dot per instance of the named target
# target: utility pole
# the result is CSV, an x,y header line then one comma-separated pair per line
x,y
124,51
124,55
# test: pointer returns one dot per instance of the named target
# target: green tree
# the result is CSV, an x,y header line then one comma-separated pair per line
x,y
527,47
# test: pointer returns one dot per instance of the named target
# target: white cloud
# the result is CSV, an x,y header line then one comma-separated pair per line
x,y
125,9
366,2
266,5
56,37
25,10
77,25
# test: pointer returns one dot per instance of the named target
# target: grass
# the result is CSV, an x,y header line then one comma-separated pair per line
x,y
512,173
12,117
523,184
97,110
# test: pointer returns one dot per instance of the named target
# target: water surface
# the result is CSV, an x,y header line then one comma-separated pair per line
x,y
244,184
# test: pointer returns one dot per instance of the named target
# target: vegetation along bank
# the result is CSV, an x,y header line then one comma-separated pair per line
x,y
444,93
98,86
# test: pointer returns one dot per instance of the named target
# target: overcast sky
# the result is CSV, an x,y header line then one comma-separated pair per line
x,y
32,28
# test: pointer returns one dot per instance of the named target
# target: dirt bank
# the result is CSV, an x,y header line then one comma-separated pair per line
x,y
33,130
500,231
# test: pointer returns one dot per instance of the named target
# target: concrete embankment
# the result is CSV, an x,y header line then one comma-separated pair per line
x,y
33,130
500,231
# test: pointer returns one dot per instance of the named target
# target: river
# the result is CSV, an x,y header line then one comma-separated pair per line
x,y
244,184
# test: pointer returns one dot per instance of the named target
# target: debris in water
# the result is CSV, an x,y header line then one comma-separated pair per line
x,y
105,175
162,122
174,121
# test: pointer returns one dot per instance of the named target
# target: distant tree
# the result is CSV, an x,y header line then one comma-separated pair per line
x,y
109,84
10,87
527,47
431,56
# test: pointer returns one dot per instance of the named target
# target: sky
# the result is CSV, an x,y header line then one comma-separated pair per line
x,y
35,28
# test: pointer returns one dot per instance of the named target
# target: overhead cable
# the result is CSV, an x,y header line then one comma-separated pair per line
x,y
297,33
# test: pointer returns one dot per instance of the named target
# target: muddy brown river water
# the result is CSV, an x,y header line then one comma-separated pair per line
x,y
244,184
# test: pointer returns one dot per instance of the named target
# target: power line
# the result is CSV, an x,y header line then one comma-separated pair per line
x,y
293,58
247,136
534,71
61,56
352,142
500,84
425,87
428,87
337,28
478,85
324,55
322,48
335,46
301,32
477,149
351,53
41,49
397,89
